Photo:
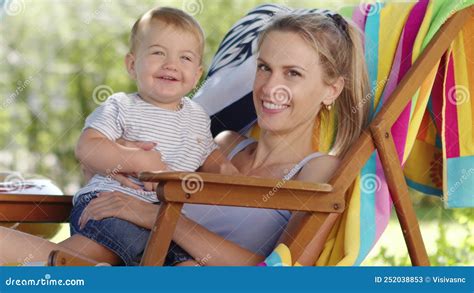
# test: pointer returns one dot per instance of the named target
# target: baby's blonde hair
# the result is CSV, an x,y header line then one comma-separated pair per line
x,y
170,16
340,51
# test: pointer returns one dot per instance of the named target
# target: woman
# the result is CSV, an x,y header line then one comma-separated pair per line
x,y
317,60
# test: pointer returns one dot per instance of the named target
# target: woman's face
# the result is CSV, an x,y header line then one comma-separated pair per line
x,y
288,88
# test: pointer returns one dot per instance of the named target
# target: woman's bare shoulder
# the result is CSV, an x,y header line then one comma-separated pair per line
x,y
319,169
227,140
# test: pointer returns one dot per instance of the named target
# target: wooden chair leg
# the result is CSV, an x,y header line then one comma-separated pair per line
x,y
399,193
161,234
314,248
298,243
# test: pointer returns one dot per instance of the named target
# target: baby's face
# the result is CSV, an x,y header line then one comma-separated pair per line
x,y
166,63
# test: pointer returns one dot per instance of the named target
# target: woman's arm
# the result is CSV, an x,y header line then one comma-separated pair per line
x,y
210,249
217,161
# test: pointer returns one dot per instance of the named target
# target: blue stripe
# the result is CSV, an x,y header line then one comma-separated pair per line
x,y
460,183
428,190
372,26
367,208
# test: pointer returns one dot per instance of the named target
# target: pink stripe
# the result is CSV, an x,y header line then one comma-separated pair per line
x,y
359,17
383,202
450,114
412,26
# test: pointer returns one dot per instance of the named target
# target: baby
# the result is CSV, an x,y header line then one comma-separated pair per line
x,y
166,48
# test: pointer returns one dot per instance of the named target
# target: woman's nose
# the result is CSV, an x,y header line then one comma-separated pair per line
x,y
269,85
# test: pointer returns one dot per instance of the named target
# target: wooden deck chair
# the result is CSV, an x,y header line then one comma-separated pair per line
x,y
326,236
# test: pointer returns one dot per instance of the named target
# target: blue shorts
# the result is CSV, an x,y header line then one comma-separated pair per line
x,y
124,238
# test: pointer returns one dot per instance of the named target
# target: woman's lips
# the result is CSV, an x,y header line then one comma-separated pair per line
x,y
272,108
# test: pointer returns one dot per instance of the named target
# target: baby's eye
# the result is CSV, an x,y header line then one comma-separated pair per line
x,y
187,58
160,53
263,67
293,73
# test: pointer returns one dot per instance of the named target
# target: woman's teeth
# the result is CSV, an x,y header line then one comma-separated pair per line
x,y
272,106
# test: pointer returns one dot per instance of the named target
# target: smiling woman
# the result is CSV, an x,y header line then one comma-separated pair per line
x,y
294,82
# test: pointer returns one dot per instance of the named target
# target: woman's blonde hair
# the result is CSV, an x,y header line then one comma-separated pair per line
x,y
340,51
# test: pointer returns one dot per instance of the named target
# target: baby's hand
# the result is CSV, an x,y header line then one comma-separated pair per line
x,y
228,168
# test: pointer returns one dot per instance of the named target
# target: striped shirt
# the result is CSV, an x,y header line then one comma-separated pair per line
x,y
182,137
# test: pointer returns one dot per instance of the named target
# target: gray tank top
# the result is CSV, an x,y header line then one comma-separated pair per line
x,y
255,229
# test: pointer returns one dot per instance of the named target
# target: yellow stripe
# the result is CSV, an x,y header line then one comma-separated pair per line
x,y
393,16
425,25
463,101
419,110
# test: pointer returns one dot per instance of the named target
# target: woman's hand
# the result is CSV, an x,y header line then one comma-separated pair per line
x,y
118,205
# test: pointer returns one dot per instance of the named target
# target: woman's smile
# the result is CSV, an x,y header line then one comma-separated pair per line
x,y
272,108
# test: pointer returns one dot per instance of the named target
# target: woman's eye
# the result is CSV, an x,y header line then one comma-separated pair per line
x,y
293,73
263,67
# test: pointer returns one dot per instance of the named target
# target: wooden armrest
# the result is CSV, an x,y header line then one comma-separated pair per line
x,y
233,180
35,208
216,189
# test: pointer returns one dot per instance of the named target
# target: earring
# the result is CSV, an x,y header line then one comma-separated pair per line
x,y
328,107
